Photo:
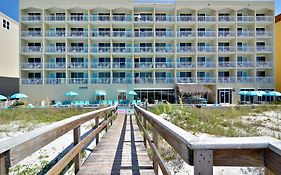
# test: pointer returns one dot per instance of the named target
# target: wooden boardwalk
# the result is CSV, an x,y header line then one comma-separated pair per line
x,y
120,151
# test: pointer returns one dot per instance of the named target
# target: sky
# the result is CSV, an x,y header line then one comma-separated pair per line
x,y
10,8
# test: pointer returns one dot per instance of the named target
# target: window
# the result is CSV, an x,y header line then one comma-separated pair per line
x,y
6,24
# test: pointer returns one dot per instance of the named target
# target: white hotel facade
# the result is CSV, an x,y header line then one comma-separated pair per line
x,y
146,46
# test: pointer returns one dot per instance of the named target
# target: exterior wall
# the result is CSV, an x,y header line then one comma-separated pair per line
x,y
278,52
41,89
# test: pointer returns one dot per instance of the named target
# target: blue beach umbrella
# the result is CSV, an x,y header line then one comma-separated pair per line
x,y
100,93
19,96
256,93
132,93
2,97
273,94
71,94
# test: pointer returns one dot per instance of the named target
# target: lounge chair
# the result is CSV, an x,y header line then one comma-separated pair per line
x,y
58,104
133,102
138,102
104,102
109,102
115,102
30,106
76,103
87,103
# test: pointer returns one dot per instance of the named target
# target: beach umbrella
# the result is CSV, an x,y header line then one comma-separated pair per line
x,y
100,93
2,97
132,93
256,93
19,96
273,94
71,94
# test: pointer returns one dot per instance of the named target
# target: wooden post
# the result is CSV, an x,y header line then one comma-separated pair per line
x,y
144,127
203,162
77,158
97,125
106,127
4,163
155,142
268,172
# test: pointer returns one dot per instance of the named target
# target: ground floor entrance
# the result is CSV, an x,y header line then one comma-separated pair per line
x,y
224,96
155,96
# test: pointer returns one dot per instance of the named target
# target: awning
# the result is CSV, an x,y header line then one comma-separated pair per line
x,y
192,89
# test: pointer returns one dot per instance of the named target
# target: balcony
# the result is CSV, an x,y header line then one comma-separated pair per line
x,y
186,34
226,80
57,49
165,18
78,49
31,65
31,18
206,49
226,49
226,18
206,80
225,34
57,65
144,65
122,18
144,34
32,81
55,34
101,49
143,49
122,34
78,34
264,18
56,18
187,49
245,49
263,64
122,80
186,18
206,18
206,33
31,49
264,48
186,65
164,34
246,80
100,34
144,18
122,49
121,65
78,80
100,18
206,64
31,33
264,33
164,49
55,81
78,65
101,65
163,65
164,80
245,64
143,80
186,80
266,80
226,64
245,18
245,33
78,18
100,80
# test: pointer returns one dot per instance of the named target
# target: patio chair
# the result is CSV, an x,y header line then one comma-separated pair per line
x,y
115,102
138,102
109,102
87,103
104,102
133,102
58,104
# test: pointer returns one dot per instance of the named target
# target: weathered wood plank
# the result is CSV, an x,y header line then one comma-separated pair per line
x,y
4,163
76,140
155,160
272,162
97,125
203,162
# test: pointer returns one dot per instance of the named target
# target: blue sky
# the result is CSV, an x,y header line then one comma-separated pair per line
x,y
10,8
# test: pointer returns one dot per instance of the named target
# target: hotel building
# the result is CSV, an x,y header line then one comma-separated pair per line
x,y
9,58
148,46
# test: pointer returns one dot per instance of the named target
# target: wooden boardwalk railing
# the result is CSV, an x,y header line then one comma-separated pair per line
x,y
16,149
203,154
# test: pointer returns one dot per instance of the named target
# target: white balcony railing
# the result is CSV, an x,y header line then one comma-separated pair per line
x,y
266,80
245,18
186,80
101,65
143,49
31,49
187,49
77,18
31,33
226,64
264,18
122,34
56,18
206,64
77,34
78,65
261,64
79,49
206,80
57,49
246,80
31,18
245,64
55,81
186,64
164,65
144,80
101,49
55,34
122,80
164,80
186,34
78,80
57,65
121,65
32,81
32,65
100,80
143,65
226,80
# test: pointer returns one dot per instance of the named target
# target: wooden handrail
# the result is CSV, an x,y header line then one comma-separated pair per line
x,y
16,149
205,153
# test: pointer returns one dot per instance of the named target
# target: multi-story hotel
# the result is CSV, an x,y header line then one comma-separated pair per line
x,y
148,46
9,58
278,52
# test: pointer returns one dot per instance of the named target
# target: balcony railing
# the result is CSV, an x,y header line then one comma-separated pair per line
x,y
31,18
264,33
143,65
54,49
143,49
226,80
32,81
206,80
226,34
245,33
226,18
78,80
117,65
264,18
186,80
122,49
206,33
57,65
55,81
186,18
122,34
78,49
245,49
186,64
100,18
100,80
31,33
164,34
31,49
122,17
164,65
164,18
101,65
101,49
55,34
143,80
266,80
55,18
164,49
32,65
144,34
164,80
78,18
100,34
245,18
264,48
188,49
226,49
144,18
78,65
206,49
186,34
206,18
246,80
122,80
226,64
261,64
206,64
245,64
78,34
